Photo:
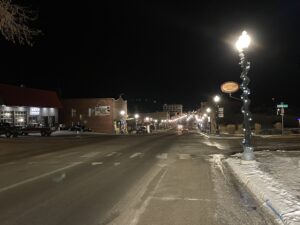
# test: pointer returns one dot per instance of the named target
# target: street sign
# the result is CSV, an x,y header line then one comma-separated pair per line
x,y
282,105
230,87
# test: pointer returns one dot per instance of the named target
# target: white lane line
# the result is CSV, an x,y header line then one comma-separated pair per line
x,y
117,163
90,154
136,154
67,154
38,177
8,164
111,154
43,155
162,156
184,156
178,198
96,163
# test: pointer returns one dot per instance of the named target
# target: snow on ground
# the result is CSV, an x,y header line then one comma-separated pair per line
x,y
275,180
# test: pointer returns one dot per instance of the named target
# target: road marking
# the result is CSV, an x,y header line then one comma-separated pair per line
x,y
162,156
90,154
8,164
96,163
184,156
38,177
117,163
32,163
136,154
43,155
178,198
111,154
67,154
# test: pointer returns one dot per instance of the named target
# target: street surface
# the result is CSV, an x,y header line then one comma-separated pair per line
x,y
160,179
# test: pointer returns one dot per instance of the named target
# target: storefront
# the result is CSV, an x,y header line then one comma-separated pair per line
x,y
104,115
22,106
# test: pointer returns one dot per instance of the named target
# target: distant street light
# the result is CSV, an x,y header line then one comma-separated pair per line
x,y
123,122
208,110
243,43
136,116
216,101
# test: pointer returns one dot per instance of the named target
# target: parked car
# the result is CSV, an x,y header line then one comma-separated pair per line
x,y
8,130
79,128
141,130
44,131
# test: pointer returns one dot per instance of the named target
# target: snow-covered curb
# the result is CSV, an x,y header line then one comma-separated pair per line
x,y
269,192
219,137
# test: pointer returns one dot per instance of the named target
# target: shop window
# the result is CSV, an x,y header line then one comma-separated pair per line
x,y
73,113
90,112
6,116
20,118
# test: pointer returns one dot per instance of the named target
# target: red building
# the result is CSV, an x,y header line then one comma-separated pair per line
x,y
100,114
21,106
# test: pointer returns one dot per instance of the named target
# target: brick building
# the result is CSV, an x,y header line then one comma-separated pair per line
x,y
21,106
100,114
173,109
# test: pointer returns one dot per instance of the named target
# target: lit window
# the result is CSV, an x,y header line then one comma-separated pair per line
x,y
73,112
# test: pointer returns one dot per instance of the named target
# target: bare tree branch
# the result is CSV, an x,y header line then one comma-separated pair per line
x,y
13,23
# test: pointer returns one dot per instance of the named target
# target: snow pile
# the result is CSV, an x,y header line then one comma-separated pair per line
x,y
274,182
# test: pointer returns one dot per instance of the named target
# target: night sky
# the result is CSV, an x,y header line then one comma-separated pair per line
x,y
160,51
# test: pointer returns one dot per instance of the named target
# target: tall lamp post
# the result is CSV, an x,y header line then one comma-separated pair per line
x,y
136,116
208,110
242,43
216,101
123,121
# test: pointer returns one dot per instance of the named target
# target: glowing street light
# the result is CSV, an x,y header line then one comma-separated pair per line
x,y
136,116
208,110
216,101
122,113
243,43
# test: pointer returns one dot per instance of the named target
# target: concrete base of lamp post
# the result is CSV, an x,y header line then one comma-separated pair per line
x,y
248,153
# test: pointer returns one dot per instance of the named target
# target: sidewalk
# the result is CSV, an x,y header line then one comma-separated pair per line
x,y
240,136
274,180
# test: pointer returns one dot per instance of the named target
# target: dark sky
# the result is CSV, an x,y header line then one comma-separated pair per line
x,y
158,50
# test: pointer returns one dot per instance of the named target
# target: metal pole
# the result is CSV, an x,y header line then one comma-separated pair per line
x,y
247,146
217,120
282,123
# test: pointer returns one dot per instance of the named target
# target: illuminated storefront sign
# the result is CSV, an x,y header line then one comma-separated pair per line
x,y
34,111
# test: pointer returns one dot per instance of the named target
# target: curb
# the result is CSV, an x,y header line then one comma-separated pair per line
x,y
261,196
219,137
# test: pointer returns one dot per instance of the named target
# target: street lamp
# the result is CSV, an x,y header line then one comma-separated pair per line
x,y
216,101
208,110
243,43
136,116
123,121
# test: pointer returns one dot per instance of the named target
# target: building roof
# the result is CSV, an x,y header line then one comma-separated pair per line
x,y
21,96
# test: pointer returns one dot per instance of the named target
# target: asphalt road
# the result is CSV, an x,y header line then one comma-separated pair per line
x,y
156,179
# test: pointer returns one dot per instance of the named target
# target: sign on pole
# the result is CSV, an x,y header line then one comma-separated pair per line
x,y
282,105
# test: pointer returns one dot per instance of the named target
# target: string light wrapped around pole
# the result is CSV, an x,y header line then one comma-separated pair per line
x,y
241,44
